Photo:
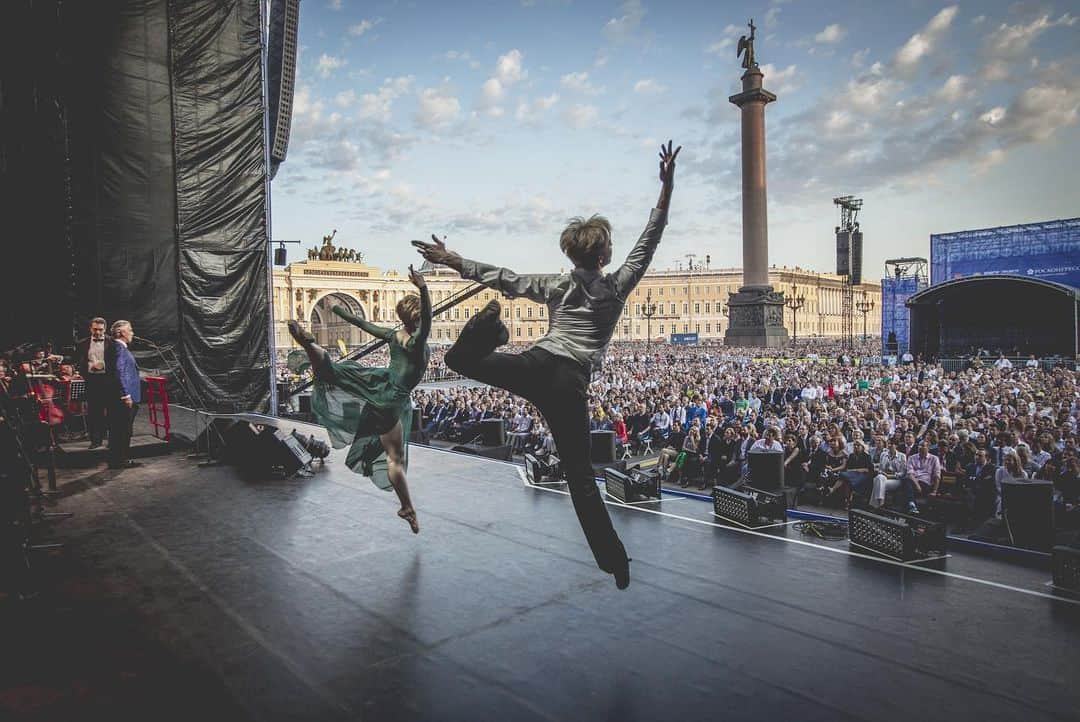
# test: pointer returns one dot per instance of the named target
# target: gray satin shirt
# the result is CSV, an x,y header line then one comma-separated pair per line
x,y
584,305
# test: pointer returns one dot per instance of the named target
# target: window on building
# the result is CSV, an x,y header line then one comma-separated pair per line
x,y
661,329
661,290
626,330
528,312
541,311
517,331
456,314
686,308
506,312
517,312
686,328
673,309
530,331
708,328
466,314
708,308
697,328
697,308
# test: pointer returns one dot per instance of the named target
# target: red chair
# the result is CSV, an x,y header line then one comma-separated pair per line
x,y
157,401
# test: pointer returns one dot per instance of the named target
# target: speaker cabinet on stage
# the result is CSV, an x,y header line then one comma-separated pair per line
x,y
417,421
539,470
502,453
1065,562
603,446
901,536
1029,513
280,453
493,431
305,403
766,470
599,467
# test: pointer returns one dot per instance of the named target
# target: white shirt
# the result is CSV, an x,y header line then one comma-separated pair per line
x,y
95,357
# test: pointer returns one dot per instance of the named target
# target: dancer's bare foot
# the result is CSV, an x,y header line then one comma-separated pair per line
x,y
409,515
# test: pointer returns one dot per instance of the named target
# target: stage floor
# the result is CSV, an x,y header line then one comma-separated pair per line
x,y
310,599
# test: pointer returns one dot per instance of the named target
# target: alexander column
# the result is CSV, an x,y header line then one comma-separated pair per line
x,y
756,312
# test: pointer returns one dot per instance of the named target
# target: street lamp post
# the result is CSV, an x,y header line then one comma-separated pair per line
x,y
648,312
864,307
794,302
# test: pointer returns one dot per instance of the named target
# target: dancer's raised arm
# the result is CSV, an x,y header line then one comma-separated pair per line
x,y
626,277
536,287
377,331
424,329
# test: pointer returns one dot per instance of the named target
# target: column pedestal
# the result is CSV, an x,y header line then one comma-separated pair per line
x,y
756,318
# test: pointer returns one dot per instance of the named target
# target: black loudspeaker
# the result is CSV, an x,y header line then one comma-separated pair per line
x,y
896,535
843,252
279,452
1065,562
237,444
305,403
856,258
502,453
493,431
601,467
603,447
281,75
539,470
417,421
1029,513
766,470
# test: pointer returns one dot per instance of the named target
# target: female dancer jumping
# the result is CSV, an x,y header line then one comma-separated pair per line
x,y
371,408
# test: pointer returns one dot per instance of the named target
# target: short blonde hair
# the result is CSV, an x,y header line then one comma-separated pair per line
x,y
408,310
587,241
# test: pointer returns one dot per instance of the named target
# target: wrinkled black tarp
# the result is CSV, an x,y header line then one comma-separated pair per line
x,y
221,200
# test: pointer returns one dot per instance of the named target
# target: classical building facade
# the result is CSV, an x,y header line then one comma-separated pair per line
x,y
682,302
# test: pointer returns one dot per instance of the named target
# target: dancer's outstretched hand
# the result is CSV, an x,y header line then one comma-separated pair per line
x,y
416,278
437,252
667,163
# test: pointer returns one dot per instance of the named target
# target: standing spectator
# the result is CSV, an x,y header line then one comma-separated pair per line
x,y
90,355
126,393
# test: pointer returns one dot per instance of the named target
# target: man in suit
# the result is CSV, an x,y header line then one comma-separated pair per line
x,y
126,395
90,355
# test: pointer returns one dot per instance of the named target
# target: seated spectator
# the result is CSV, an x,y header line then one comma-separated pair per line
x,y
892,474
622,437
980,487
769,442
858,471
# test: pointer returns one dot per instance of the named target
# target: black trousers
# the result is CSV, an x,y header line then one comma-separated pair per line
x,y
558,387
121,419
97,400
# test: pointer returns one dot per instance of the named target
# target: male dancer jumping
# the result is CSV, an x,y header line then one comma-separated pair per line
x,y
554,373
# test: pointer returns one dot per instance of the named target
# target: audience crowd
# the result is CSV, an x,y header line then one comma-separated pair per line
x,y
851,429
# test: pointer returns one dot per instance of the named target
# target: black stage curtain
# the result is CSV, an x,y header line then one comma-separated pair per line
x,y
221,199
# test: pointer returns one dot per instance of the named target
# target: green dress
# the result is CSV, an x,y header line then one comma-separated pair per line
x,y
362,402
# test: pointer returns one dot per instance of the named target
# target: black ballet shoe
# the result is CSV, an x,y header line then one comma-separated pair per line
x,y
302,337
622,573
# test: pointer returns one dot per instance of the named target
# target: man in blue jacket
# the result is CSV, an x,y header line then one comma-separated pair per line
x,y
126,395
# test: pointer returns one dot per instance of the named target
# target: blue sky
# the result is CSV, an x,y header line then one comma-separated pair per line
x,y
493,122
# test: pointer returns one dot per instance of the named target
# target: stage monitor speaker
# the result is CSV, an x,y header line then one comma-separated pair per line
x,y
539,470
417,421
619,485
1065,562
493,431
599,467
843,252
749,507
603,446
280,452
502,453
214,438
856,258
896,535
1029,513
305,403
766,470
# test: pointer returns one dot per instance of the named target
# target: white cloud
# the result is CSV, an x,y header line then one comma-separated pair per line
x,y
924,42
531,113
781,81
378,105
626,25
508,68
463,56
345,98
1011,41
772,15
581,116
328,64
579,82
831,34
437,108
334,4
994,116
362,27
648,86
730,34
858,59
956,88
